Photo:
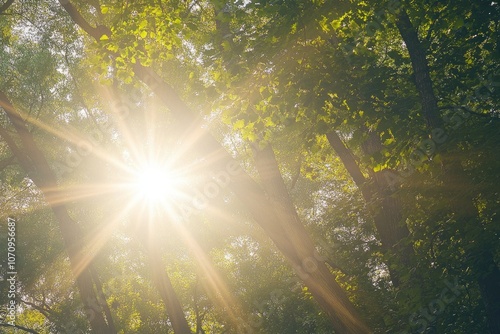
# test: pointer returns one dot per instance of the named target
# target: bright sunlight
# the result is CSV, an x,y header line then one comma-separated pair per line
x,y
155,184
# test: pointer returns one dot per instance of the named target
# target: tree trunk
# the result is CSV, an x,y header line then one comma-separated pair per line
x,y
164,286
383,206
35,165
310,267
197,313
479,256
482,260
489,283
6,6
423,80
102,299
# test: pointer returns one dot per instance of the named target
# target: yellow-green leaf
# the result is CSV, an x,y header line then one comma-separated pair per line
x,y
239,124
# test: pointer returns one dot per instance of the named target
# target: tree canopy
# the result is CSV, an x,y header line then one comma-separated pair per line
x,y
284,166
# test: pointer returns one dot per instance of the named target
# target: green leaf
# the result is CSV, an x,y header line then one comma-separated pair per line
x,y
239,124
388,141
336,24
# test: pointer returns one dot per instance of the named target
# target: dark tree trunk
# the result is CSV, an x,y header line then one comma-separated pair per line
x,y
423,80
489,283
479,256
384,207
6,6
482,260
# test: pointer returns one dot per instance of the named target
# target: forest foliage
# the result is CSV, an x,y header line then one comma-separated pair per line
x,y
284,166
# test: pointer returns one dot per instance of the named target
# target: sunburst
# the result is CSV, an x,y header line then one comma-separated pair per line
x,y
157,186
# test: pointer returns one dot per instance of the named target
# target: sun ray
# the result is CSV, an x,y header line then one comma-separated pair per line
x,y
215,281
99,236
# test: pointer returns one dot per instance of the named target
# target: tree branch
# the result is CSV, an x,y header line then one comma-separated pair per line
x,y
20,156
349,162
43,310
28,330
475,113
297,173
6,6
75,15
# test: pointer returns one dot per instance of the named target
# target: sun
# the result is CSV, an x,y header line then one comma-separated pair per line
x,y
156,184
